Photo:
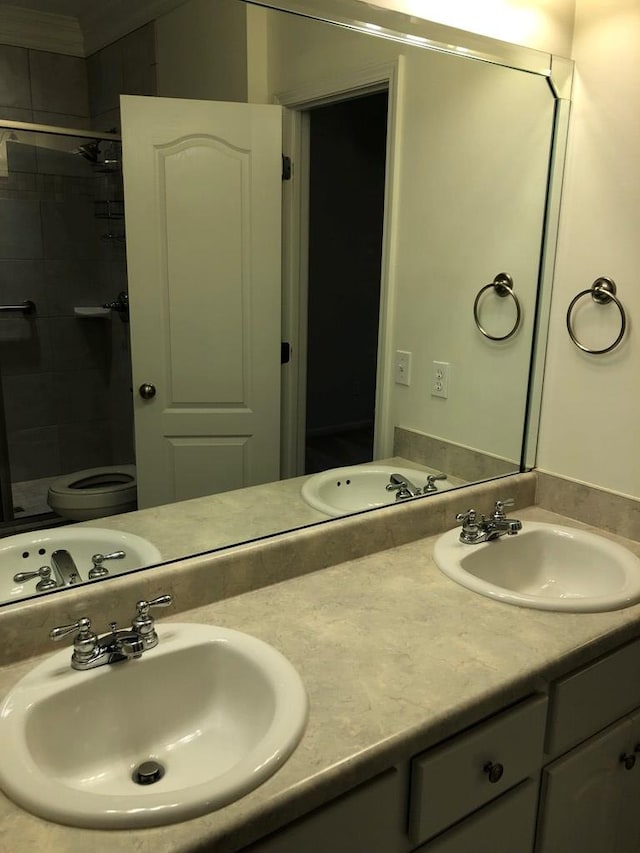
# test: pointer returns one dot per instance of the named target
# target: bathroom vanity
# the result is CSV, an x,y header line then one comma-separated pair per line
x,y
436,716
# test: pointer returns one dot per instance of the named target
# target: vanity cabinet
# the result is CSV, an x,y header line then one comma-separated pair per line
x,y
460,776
476,791
590,794
550,774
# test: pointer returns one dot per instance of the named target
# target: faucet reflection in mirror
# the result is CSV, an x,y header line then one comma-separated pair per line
x,y
410,426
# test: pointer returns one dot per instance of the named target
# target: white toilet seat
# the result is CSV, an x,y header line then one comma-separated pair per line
x,y
94,492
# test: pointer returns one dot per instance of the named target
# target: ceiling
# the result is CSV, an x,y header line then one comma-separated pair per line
x,y
80,27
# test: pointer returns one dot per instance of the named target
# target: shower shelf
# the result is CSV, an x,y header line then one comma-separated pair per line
x,y
92,311
109,209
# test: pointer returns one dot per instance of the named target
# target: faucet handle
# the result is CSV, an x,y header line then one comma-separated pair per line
x,y
85,641
82,628
160,601
143,623
498,511
468,517
431,482
98,570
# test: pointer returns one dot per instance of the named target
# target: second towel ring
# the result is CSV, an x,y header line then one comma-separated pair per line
x,y
603,290
503,286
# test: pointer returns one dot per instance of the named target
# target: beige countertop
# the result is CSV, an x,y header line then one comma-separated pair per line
x,y
394,657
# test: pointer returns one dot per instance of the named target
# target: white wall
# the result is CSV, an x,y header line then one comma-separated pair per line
x,y
469,203
590,428
202,51
590,425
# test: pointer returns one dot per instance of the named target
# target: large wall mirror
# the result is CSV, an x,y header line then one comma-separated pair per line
x,y
385,302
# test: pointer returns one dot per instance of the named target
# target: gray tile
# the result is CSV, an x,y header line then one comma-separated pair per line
x,y
17,113
15,90
20,234
85,445
139,62
61,119
25,346
76,341
21,157
81,396
59,83
34,453
69,230
71,283
104,70
21,280
29,401
107,121
52,162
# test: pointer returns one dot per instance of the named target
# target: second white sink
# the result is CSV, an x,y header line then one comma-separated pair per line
x,y
545,567
343,490
217,710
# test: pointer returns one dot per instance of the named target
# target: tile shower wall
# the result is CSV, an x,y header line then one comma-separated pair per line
x,y
66,380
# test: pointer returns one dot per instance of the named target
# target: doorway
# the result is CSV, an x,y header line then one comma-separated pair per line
x,y
347,157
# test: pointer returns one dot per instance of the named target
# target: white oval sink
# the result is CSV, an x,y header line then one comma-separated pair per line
x,y
219,710
28,552
343,490
546,567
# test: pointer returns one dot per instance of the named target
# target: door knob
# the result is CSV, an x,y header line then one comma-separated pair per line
x,y
147,391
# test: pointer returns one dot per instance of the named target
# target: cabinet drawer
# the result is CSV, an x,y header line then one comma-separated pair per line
x,y
508,823
586,701
451,780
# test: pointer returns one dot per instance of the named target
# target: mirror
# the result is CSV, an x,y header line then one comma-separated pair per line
x,y
452,153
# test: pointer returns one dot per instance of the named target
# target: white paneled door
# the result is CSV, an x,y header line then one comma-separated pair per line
x,y
203,198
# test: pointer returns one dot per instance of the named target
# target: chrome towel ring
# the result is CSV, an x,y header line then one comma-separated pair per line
x,y
503,286
603,290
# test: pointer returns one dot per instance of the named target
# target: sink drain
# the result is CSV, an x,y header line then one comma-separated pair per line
x,y
147,773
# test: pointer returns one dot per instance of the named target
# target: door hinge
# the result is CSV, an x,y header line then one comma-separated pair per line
x,y
285,352
287,167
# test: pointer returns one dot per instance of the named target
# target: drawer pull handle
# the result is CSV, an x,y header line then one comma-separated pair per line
x,y
494,771
629,761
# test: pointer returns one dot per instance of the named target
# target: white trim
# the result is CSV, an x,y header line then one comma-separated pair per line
x,y
331,89
383,428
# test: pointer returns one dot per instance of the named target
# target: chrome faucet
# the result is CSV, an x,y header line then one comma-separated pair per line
x,y
120,644
403,487
62,572
485,529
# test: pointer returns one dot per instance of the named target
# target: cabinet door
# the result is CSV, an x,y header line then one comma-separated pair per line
x,y
507,823
581,795
628,829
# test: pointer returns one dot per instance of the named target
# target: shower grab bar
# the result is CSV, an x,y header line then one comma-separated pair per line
x,y
27,307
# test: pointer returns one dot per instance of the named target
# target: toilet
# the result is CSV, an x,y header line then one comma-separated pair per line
x,y
94,493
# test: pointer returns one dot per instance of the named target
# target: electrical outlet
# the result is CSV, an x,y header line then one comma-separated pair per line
x,y
440,379
402,373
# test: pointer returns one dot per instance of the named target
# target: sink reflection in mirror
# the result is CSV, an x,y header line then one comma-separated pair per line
x,y
341,491
48,560
545,567
195,723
